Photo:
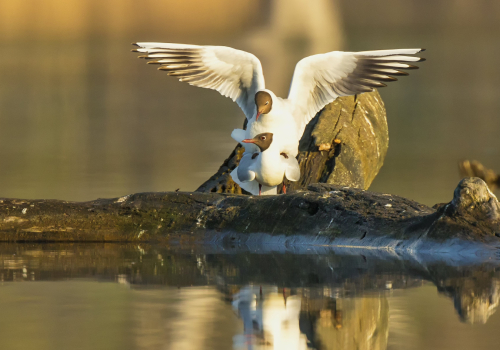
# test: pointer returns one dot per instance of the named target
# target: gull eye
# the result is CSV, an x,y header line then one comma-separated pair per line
x,y
262,137
267,102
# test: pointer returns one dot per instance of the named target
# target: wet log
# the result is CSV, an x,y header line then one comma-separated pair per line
x,y
345,144
323,214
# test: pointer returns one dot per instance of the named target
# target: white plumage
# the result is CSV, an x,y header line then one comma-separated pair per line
x,y
266,168
317,81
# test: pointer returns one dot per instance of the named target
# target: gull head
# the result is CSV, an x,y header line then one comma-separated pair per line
x,y
263,141
264,102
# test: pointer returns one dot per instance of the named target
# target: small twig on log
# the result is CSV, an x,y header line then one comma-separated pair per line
x,y
476,169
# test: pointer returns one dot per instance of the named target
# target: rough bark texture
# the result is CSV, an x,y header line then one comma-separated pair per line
x,y
324,211
473,209
359,122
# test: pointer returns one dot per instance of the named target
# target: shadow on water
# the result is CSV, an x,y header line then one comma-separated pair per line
x,y
183,298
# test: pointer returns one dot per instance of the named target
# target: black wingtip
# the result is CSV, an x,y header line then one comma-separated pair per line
x,y
401,73
135,44
134,50
422,59
422,50
411,67
388,79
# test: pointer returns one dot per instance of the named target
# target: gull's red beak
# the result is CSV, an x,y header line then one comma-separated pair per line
x,y
258,115
248,141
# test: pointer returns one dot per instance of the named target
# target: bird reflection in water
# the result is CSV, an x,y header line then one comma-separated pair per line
x,y
309,319
270,319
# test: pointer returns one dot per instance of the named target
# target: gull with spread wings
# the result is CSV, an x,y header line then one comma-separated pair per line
x,y
317,81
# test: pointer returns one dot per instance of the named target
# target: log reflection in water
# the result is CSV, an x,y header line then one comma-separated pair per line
x,y
474,299
324,283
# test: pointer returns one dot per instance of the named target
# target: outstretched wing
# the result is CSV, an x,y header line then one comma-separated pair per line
x,y
318,80
235,74
292,169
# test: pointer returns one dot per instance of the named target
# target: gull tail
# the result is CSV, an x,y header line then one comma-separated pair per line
x,y
253,186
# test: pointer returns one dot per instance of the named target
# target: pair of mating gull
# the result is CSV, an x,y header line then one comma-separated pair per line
x,y
275,125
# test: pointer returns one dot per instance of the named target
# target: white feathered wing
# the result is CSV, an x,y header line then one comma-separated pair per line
x,y
319,79
234,73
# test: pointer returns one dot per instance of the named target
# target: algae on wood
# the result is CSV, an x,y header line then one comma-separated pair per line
x,y
326,212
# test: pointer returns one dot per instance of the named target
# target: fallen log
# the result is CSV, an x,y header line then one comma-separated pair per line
x,y
323,214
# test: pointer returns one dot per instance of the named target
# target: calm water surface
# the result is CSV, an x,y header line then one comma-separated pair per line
x,y
106,296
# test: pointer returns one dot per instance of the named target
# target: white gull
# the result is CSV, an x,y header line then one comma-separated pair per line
x,y
317,81
260,172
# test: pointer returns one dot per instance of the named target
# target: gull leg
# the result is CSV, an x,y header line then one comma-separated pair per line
x,y
260,189
284,188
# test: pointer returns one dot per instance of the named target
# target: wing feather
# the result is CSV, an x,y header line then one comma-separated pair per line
x,y
292,170
318,80
235,74
244,172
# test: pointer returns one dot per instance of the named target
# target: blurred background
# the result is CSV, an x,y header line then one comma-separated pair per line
x,y
81,117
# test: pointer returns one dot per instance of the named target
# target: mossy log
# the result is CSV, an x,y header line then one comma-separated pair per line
x,y
358,122
325,214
